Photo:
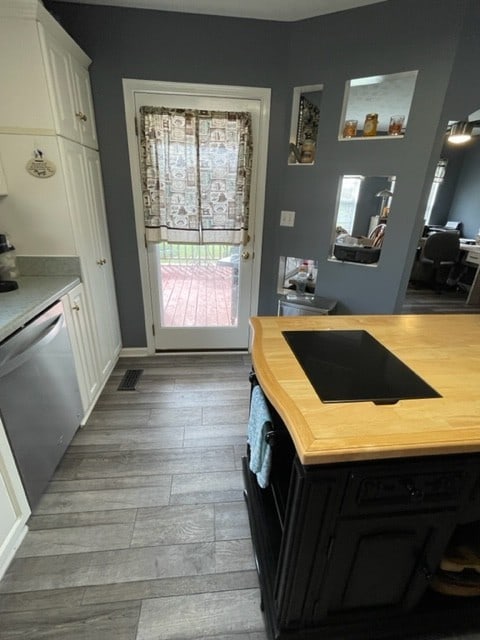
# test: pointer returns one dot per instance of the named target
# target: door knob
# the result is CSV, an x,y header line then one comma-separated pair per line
x,y
81,116
245,255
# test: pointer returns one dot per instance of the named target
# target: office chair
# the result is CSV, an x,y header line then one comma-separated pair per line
x,y
440,250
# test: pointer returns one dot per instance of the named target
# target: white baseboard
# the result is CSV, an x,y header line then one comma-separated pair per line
x,y
134,352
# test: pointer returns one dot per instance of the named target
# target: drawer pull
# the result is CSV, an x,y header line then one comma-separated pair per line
x,y
416,495
270,438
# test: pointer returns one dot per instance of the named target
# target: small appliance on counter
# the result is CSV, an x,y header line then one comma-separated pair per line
x,y
8,265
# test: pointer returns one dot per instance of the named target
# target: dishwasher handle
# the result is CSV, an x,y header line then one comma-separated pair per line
x,y
28,341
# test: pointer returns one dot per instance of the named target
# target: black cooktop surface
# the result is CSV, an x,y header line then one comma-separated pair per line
x,y
352,366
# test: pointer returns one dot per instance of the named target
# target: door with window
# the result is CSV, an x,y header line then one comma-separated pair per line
x,y
203,288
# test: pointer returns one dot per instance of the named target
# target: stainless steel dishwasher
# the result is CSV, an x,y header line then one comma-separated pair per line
x,y
39,397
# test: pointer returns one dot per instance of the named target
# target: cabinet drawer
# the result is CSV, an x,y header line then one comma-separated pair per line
x,y
403,491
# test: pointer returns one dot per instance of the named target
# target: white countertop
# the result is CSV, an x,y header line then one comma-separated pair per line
x,y
34,294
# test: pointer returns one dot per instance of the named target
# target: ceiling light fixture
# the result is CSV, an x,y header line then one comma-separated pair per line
x,y
460,132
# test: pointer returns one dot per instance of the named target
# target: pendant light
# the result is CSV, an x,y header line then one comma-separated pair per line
x,y
460,132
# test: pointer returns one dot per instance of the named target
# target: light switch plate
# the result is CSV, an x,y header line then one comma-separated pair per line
x,y
287,218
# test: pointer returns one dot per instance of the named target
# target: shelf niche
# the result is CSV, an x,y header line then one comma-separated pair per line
x,y
288,270
389,96
363,208
304,124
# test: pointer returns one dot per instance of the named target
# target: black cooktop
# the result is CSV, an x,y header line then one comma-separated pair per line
x,y
352,366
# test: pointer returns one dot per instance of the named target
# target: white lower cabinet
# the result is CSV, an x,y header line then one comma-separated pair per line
x,y
14,508
82,337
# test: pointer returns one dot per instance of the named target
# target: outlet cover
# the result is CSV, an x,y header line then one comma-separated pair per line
x,y
287,218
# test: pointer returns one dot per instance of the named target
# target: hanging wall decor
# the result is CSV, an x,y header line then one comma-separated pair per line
x,y
40,167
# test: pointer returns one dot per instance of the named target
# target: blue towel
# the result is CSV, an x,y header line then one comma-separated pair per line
x,y
259,423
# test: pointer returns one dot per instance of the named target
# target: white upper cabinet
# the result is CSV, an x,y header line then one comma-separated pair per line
x,y
69,85
64,215
25,103
85,114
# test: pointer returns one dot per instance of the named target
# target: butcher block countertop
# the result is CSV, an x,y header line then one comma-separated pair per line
x,y
444,350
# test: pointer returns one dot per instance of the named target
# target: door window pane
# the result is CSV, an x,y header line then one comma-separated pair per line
x,y
198,285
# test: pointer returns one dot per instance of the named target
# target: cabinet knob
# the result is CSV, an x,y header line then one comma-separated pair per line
x,y
245,255
416,495
76,307
81,116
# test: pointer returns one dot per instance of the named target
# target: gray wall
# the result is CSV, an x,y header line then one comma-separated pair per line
x,y
332,49
465,204
178,47
382,38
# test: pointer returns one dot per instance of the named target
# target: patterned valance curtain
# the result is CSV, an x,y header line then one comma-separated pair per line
x,y
196,172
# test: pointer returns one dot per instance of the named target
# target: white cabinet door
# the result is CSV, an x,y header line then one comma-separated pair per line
x,y
14,508
105,298
88,131
61,85
79,204
82,337
25,102
85,198
70,91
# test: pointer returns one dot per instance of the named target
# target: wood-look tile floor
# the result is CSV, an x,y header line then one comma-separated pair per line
x,y
421,299
143,532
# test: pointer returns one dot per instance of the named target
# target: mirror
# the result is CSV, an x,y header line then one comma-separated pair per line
x,y
304,124
388,97
363,208
297,274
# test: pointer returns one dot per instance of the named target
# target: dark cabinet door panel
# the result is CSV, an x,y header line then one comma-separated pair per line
x,y
385,561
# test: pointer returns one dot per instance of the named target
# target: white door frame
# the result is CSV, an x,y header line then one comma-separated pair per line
x,y
130,87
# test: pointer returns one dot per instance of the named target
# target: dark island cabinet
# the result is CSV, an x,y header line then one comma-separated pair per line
x,y
348,547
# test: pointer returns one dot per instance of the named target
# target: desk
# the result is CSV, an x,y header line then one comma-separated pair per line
x,y
472,259
470,256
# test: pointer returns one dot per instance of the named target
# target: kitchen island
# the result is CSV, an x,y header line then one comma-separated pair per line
x,y
365,497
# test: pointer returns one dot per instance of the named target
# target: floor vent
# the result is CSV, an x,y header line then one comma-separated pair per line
x,y
130,379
